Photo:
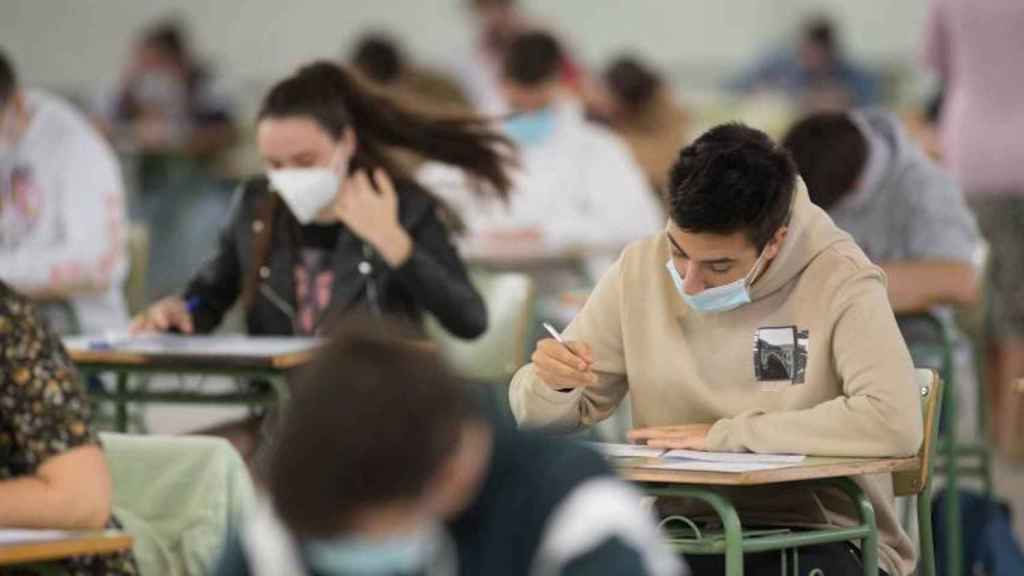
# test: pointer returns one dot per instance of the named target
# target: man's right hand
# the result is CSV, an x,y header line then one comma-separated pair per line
x,y
168,314
561,369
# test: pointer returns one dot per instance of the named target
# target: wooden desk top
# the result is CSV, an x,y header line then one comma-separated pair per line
x,y
173,362
77,544
813,468
177,353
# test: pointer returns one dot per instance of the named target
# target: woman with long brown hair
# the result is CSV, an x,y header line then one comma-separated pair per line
x,y
335,224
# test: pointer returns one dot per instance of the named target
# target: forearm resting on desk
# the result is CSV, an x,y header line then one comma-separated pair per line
x,y
859,426
918,286
70,491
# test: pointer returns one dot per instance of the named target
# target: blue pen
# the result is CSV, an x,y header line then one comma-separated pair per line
x,y
191,305
107,343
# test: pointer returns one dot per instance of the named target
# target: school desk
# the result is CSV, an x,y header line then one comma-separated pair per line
x,y
701,485
20,547
263,358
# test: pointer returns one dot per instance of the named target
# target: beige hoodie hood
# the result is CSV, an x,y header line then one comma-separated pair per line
x,y
810,233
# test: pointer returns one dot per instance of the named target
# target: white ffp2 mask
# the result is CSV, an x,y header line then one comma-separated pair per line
x,y
307,191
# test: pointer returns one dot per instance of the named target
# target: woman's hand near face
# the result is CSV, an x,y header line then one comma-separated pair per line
x,y
372,214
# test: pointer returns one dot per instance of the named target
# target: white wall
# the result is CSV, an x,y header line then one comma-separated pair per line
x,y
76,44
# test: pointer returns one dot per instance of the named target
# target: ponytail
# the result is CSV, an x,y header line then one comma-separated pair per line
x,y
337,100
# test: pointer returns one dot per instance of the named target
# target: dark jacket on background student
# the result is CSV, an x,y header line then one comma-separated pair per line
x,y
303,280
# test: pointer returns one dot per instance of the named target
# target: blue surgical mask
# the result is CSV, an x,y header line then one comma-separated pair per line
x,y
720,298
410,553
531,128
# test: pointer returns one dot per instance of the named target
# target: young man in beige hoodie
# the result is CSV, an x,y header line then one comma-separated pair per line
x,y
751,324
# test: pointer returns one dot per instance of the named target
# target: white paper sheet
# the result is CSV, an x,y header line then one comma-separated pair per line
x,y
737,457
9,536
613,450
174,344
704,466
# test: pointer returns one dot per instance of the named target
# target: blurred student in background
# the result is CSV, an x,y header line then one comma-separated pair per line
x,y
421,481
380,59
635,101
61,210
53,474
165,101
906,213
577,186
975,47
335,224
815,74
479,69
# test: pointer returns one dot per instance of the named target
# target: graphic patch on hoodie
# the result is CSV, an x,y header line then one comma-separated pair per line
x,y
780,356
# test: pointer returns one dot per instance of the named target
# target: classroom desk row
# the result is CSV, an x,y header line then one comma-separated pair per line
x,y
42,547
271,359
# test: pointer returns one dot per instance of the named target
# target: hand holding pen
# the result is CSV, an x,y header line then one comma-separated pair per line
x,y
172,314
564,365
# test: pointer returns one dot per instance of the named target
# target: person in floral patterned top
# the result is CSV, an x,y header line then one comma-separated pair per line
x,y
52,470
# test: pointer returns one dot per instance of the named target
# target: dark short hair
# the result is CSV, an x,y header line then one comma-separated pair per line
x,y
830,152
8,78
533,58
169,37
378,57
370,421
632,82
732,179
820,31
491,3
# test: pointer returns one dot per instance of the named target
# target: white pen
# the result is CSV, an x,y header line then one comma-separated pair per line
x,y
558,338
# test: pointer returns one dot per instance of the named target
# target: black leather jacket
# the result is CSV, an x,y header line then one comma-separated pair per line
x,y
433,279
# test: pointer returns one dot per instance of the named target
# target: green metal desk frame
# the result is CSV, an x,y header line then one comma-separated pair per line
x,y
734,542
124,394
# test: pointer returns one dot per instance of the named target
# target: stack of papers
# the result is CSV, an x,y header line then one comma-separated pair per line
x,y
199,345
10,537
695,459
612,450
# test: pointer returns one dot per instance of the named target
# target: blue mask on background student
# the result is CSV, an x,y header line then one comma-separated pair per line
x,y
531,128
410,553
720,298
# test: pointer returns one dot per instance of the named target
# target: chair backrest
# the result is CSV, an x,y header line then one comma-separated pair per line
x,y
179,497
136,241
913,481
499,352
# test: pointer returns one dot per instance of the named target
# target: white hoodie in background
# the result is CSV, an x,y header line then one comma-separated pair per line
x,y
61,213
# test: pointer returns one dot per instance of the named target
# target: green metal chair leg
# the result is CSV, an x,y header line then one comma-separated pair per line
x,y
953,527
953,452
869,546
926,562
121,418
